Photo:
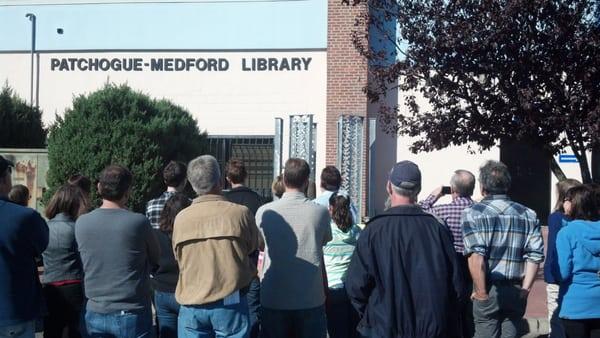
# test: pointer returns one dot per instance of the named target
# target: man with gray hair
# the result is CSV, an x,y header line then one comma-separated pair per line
x,y
404,279
212,239
504,247
461,189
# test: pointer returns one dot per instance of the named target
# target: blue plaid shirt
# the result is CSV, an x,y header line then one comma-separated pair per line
x,y
506,233
155,206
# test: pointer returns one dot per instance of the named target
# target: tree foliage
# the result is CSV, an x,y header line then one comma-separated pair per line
x,y
525,70
117,125
20,124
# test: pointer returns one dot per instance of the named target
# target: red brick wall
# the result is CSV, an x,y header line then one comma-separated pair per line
x,y
346,78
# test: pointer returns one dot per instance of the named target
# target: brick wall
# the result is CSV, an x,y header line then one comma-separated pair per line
x,y
346,78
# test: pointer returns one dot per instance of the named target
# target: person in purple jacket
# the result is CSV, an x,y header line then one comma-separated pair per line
x,y
551,272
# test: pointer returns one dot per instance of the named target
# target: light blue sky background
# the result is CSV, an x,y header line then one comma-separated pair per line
x,y
224,25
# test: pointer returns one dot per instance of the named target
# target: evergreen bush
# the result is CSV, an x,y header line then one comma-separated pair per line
x,y
20,124
117,125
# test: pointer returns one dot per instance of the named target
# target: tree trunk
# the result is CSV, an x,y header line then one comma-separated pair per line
x,y
586,176
596,165
556,170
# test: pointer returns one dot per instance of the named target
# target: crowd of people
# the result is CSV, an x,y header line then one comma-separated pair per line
x,y
226,264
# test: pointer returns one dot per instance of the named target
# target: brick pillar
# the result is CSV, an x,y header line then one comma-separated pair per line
x,y
346,78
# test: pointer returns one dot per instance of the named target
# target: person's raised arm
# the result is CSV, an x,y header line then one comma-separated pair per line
x,y
427,204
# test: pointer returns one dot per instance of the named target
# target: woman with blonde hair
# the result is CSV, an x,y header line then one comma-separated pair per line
x,y
551,270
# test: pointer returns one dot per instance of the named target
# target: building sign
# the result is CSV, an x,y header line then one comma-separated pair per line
x,y
567,158
254,64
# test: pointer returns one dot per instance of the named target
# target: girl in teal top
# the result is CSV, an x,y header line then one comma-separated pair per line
x,y
337,254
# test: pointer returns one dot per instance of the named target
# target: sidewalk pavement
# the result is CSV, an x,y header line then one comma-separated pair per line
x,y
536,317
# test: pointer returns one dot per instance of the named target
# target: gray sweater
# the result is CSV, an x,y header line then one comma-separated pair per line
x,y
295,230
117,247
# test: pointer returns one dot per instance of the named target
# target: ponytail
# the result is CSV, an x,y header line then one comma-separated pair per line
x,y
340,211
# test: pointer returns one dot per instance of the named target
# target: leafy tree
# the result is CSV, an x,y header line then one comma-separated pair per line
x,y
526,70
117,125
20,124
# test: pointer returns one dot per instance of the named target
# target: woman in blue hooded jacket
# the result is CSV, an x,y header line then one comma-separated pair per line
x,y
578,248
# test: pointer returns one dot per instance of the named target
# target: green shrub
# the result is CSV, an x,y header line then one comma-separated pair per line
x,y
20,124
117,125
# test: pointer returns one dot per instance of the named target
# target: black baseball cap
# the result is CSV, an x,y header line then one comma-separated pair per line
x,y
4,165
405,174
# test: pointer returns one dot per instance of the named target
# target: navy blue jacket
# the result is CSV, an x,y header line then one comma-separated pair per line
x,y
405,279
23,236
551,271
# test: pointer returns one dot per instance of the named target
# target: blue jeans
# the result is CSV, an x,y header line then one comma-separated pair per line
x,y
305,323
214,320
21,330
124,324
167,311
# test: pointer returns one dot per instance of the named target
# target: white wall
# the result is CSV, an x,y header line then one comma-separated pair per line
x,y
232,102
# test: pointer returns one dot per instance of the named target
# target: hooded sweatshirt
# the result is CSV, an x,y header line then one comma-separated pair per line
x,y
578,248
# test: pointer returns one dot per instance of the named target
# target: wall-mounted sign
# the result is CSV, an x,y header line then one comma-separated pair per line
x,y
254,64
567,158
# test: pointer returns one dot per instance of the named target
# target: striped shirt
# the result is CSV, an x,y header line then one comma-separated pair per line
x,y
506,233
337,254
450,213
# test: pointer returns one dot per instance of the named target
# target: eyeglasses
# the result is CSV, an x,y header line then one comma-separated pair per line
x,y
567,199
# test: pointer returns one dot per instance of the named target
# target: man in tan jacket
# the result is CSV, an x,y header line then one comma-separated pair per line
x,y
212,239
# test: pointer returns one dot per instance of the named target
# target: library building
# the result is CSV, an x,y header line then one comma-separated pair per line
x,y
267,80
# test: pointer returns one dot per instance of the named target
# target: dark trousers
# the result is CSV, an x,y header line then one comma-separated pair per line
x,y
342,318
582,328
253,297
305,323
466,315
64,310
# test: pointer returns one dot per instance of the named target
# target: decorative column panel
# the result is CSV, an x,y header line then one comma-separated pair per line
x,y
278,147
302,140
350,156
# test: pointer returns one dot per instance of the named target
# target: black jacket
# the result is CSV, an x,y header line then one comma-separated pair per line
x,y
404,278
244,196
166,273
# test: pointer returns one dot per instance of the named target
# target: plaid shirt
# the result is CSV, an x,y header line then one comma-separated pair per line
x,y
450,213
506,233
155,206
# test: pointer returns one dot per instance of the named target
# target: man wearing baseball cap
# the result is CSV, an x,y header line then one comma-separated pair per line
x,y
23,236
404,278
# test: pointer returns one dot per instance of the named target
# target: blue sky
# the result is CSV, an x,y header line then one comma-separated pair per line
x,y
224,25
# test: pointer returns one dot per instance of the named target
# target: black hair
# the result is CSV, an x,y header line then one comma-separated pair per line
x,y
584,204
114,182
172,207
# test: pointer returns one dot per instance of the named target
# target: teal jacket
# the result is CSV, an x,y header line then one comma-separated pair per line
x,y
578,248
